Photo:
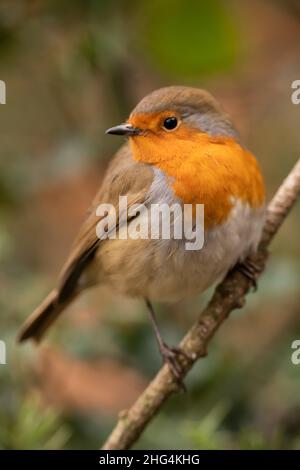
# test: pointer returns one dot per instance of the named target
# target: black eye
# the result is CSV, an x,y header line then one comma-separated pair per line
x,y
170,123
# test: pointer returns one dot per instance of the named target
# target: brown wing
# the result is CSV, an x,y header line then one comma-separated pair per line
x,y
124,177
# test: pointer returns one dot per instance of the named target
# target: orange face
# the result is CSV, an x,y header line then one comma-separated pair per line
x,y
157,141
205,169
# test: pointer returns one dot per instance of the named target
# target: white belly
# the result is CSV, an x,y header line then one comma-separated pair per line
x,y
186,273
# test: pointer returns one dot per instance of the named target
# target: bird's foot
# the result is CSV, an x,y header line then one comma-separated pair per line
x,y
170,356
251,270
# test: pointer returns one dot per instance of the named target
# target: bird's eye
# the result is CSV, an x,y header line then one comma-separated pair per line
x,y
170,123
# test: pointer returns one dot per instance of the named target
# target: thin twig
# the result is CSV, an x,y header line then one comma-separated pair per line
x,y
229,295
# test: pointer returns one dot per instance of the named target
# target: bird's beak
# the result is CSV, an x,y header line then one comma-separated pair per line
x,y
124,129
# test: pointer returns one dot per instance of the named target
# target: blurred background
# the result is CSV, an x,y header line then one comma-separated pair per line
x,y
73,69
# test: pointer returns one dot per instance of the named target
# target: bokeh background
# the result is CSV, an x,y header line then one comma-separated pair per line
x,y
72,69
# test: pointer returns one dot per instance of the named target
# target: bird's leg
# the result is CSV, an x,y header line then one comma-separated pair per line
x,y
250,270
169,354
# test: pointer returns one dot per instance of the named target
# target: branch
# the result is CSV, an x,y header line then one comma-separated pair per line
x,y
230,294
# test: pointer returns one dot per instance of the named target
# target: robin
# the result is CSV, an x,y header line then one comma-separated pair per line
x,y
182,148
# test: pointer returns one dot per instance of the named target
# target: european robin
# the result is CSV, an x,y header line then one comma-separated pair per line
x,y
181,148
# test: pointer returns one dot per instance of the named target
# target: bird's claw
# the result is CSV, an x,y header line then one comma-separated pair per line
x,y
170,356
250,270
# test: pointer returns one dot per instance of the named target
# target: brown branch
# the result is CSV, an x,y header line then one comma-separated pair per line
x,y
230,294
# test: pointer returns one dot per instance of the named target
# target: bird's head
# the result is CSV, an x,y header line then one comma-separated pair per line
x,y
170,117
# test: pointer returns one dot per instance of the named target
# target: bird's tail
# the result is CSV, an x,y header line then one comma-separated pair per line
x,y
43,317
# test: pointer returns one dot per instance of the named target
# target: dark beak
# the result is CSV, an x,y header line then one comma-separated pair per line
x,y
124,129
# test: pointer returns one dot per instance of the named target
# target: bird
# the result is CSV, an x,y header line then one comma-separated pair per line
x,y
181,147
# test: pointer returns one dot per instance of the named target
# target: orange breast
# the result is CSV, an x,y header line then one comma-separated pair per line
x,y
204,170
